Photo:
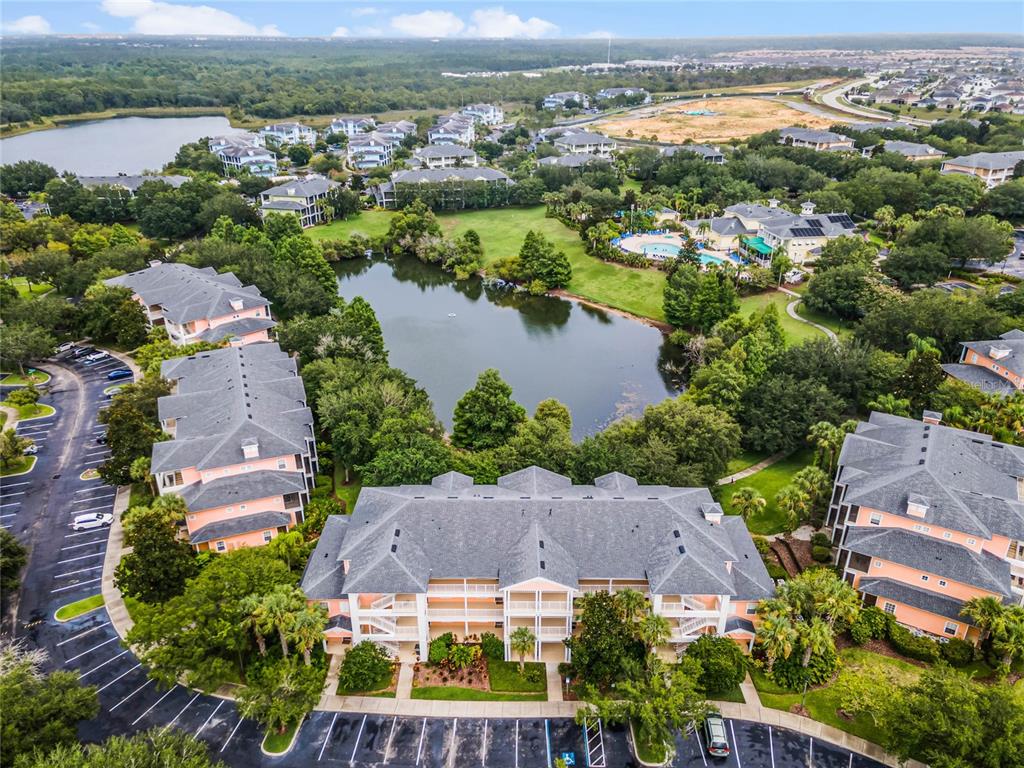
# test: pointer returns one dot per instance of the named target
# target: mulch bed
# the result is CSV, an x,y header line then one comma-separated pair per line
x,y
802,550
473,677
881,647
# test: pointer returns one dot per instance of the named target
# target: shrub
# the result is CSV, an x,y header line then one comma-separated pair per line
x,y
776,571
957,652
761,545
821,554
789,674
462,656
364,666
439,647
871,624
911,646
723,665
821,540
492,647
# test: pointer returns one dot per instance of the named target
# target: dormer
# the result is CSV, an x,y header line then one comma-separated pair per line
x,y
251,448
931,417
712,513
237,304
998,351
807,208
773,203
917,505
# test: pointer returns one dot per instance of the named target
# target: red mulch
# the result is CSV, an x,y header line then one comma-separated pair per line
x,y
802,550
473,677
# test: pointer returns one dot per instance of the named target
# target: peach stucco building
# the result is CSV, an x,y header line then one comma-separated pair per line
x,y
242,453
995,366
926,517
198,304
416,561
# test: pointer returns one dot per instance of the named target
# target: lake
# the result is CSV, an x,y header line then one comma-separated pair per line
x,y
444,332
108,147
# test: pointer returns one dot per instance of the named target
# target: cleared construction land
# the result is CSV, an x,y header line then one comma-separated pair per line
x,y
732,118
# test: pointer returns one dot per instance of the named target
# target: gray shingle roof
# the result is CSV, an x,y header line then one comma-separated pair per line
x,y
981,378
722,225
572,161
227,396
401,537
811,135
131,183
444,150
924,599
989,160
582,138
237,489
435,175
704,150
912,149
1011,344
932,555
235,526
737,624
239,327
324,578
187,293
969,480
301,188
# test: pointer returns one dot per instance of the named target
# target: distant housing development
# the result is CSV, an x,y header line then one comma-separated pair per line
x,y
913,151
453,129
587,143
446,156
608,94
707,152
198,304
242,453
370,150
447,185
993,168
820,141
995,366
409,564
289,133
561,98
244,152
351,126
484,114
926,517
301,197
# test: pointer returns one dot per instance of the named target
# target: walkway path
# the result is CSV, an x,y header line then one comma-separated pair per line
x,y
791,311
554,681
112,598
753,468
403,690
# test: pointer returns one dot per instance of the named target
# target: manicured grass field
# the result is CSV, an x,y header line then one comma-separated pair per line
x,y
734,694
34,411
28,380
454,693
794,330
505,677
839,327
769,481
19,466
744,460
77,608
276,743
24,290
369,223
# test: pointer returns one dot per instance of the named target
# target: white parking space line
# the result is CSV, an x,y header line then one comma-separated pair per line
x,y
80,570
91,509
451,746
352,759
87,499
11,504
517,744
15,485
153,705
327,738
80,557
5,527
105,451
123,674
391,736
547,740
483,745
230,737
810,753
83,653
76,585
700,747
419,749
81,533
182,712
771,746
84,544
207,721
735,746
96,461
850,764
8,495
122,701
82,634
100,666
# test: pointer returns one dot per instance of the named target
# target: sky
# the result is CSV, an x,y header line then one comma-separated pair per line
x,y
532,19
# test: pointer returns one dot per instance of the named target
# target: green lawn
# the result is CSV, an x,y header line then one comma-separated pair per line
x,y
769,481
744,460
734,694
822,703
77,608
277,743
505,677
29,380
37,289
377,688
34,411
454,693
794,330
501,230
19,466
347,494
841,328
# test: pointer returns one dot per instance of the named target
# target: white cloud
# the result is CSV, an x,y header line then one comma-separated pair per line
x,y
369,32
495,22
428,24
599,34
27,25
90,26
364,11
340,32
159,18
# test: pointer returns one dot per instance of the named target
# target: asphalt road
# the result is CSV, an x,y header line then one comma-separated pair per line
x,y
66,566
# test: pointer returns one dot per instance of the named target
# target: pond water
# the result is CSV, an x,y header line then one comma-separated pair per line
x,y
444,332
108,147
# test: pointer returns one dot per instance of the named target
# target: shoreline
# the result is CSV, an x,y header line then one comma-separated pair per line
x,y
561,293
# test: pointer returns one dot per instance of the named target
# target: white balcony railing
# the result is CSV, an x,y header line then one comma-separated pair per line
x,y
545,606
462,589
494,614
552,632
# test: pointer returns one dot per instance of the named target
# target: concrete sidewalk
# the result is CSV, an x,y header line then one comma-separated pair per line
x,y
112,599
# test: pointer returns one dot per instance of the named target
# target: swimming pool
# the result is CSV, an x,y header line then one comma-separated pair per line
x,y
661,249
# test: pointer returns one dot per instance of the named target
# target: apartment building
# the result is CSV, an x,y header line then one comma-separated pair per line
x,y
608,94
416,561
586,143
995,366
351,126
926,517
484,114
244,153
242,453
820,141
440,185
559,99
994,168
397,130
199,304
707,152
370,150
301,197
289,133
453,129
446,156
769,228
913,151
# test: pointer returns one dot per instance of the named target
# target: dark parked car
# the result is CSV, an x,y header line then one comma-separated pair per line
x,y
101,440
120,373
714,733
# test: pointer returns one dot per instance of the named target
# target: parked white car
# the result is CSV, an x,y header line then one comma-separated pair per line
x,y
65,347
32,450
91,520
96,356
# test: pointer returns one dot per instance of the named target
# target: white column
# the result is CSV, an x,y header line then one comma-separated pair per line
x,y
723,612
507,621
656,604
422,624
353,612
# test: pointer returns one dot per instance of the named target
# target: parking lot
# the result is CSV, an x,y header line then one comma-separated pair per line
x,y
66,565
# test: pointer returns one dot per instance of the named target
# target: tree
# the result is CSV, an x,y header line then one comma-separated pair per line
x,y
279,226
24,177
605,649
782,408
1006,201
280,693
923,374
108,313
987,613
869,690
486,416
300,154
255,617
364,667
157,748
1010,642
776,637
12,447
23,397
698,300
21,343
132,427
915,265
794,504
723,665
748,502
542,263
160,563
40,710
842,291
281,606
307,630
361,335
13,557
301,251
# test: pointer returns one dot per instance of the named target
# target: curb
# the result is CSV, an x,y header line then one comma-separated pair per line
x,y
25,472
291,744
53,412
632,743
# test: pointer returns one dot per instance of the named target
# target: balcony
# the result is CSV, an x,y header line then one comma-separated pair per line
x,y
398,633
472,614
462,589
532,607
553,633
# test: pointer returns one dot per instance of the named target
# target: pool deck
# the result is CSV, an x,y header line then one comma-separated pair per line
x,y
660,245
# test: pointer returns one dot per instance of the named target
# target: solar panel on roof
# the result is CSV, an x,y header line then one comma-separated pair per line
x,y
807,232
841,219
814,223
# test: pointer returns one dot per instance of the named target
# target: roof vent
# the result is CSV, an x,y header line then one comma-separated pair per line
x,y
807,208
917,505
931,417
236,304
998,351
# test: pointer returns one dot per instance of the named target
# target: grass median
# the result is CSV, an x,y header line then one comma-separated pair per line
x,y
454,693
78,608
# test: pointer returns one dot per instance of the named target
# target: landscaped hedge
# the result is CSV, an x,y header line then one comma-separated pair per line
x,y
439,647
821,554
723,665
821,540
871,624
492,647
920,648
789,673
957,652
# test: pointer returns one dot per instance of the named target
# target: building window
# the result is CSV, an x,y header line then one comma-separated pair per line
x,y
971,542
229,510
281,463
877,563
951,628
242,507
751,609
947,535
875,519
942,582
221,546
247,468
291,500
924,577
889,608
267,536
922,528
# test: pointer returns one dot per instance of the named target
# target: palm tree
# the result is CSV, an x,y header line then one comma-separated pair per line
x,y
887,402
815,636
835,598
280,608
308,629
776,635
653,630
987,613
522,641
1010,642
255,618
748,502
793,503
632,603
813,482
